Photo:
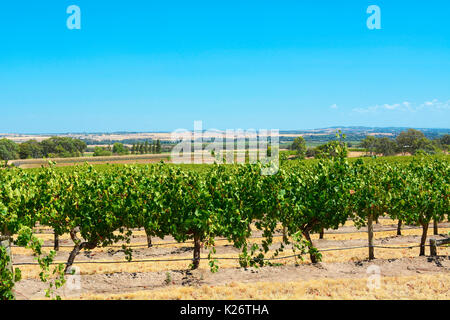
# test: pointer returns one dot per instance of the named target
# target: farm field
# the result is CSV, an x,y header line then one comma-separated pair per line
x,y
69,162
340,275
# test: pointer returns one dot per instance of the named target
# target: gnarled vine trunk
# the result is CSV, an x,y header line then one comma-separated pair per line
x,y
424,238
399,227
312,255
77,248
56,242
285,238
149,238
370,234
197,248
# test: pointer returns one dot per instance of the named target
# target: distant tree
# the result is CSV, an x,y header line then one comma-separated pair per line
x,y
133,148
369,143
408,141
146,147
101,152
79,145
299,146
62,147
311,152
30,149
141,148
8,150
424,145
331,149
120,149
153,146
158,146
445,141
385,146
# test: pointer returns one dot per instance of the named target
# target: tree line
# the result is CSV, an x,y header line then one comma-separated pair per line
x,y
410,141
121,149
54,147
407,142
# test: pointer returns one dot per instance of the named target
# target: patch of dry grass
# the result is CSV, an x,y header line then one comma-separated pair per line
x,y
416,287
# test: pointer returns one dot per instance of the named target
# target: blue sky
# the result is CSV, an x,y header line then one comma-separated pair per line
x,y
160,65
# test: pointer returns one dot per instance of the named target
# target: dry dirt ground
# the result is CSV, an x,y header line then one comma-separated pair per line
x,y
341,274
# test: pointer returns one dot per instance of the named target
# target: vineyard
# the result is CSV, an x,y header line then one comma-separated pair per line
x,y
265,219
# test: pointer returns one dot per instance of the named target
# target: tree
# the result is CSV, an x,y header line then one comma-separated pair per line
x,y
79,145
146,147
407,140
8,150
328,150
158,146
62,147
299,145
445,140
369,143
120,149
385,146
30,149
101,152
425,145
311,152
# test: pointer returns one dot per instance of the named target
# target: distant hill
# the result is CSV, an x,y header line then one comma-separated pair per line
x,y
315,136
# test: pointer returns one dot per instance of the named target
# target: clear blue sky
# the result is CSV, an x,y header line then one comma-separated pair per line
x,y
160,65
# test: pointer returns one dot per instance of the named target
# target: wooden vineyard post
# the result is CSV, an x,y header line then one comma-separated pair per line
x,y
433,248
435,243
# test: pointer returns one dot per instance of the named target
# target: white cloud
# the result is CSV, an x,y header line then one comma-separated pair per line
x,y
334,106
406,107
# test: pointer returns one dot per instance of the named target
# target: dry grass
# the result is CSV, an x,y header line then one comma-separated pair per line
x,y
417,287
